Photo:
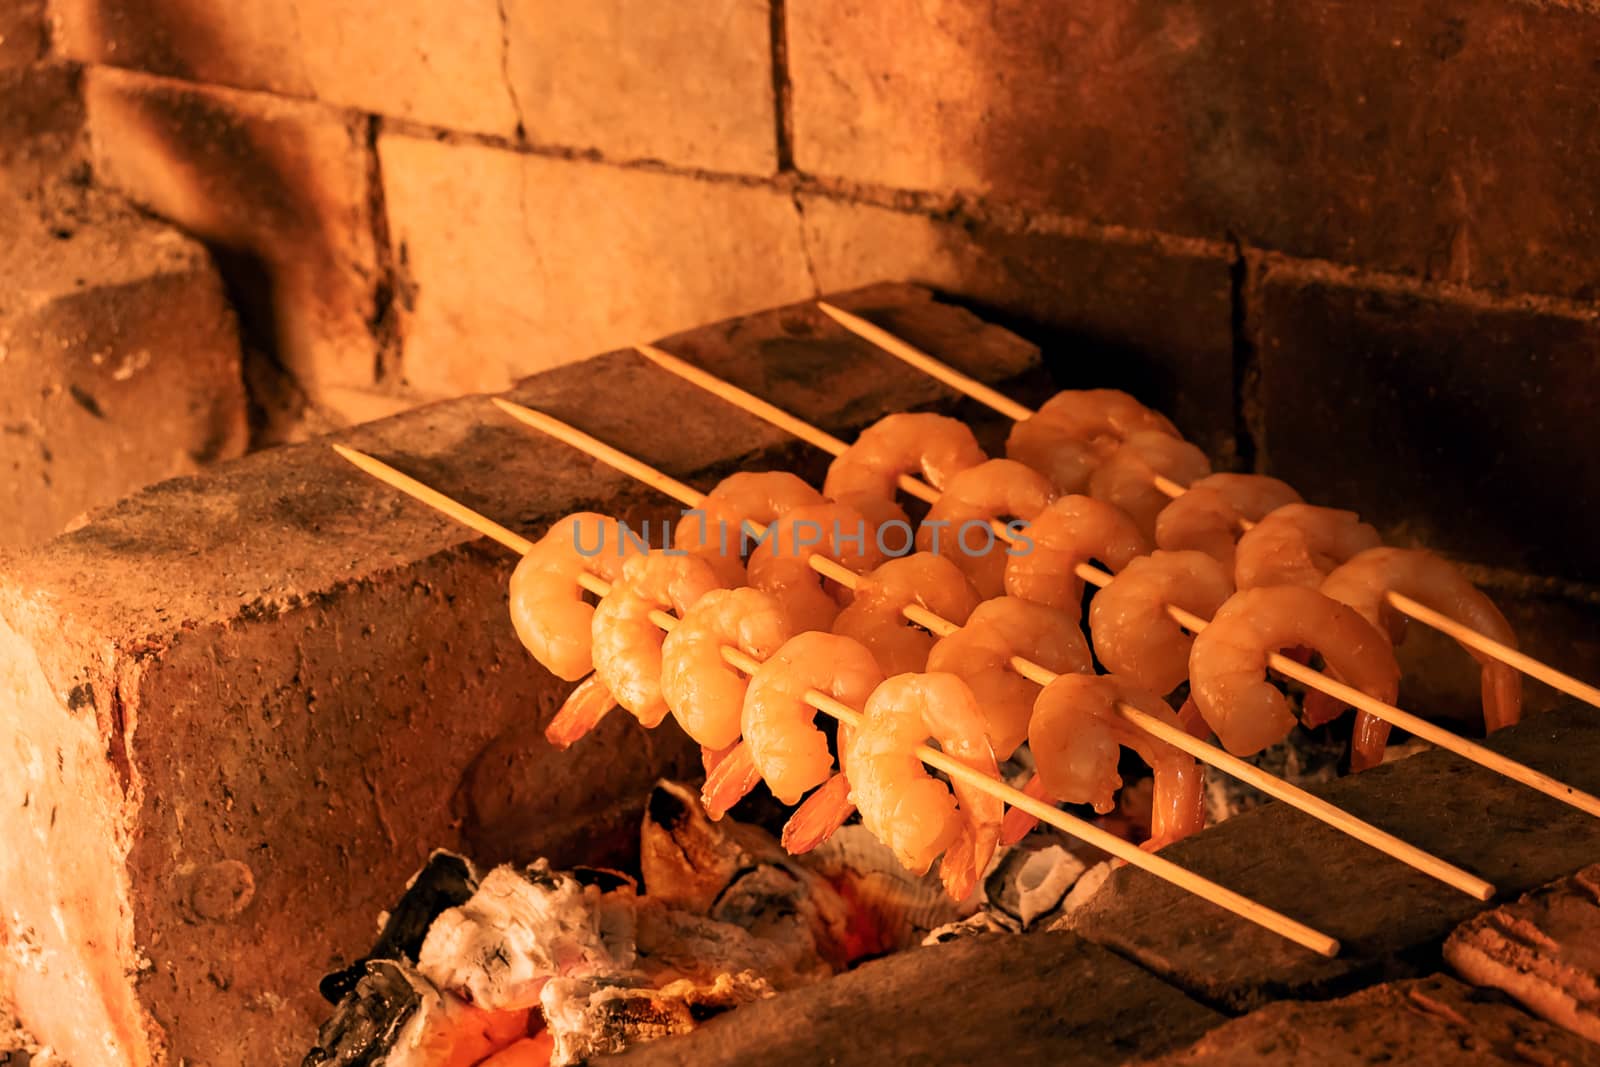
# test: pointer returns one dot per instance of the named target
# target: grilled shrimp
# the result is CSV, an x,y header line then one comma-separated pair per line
x,y
627,645
875,616
934,445
716,533
1208,517
784,745
980,654
999,489
1076,430
1365,578
1073,530
1077,736
778,565
1127,479
1298,544
1133,634
1227,666
905,807
705,693
548,609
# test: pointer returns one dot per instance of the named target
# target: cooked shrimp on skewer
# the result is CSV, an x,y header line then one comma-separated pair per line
x,y
1127,478
1133,634
875,616
548,609
627,644
1076,430
980,654
717,531
935,446
1073,530
904,806
1077,736
1208,517
1298,544
778,564
1228,663
999,489
706,693
1363,581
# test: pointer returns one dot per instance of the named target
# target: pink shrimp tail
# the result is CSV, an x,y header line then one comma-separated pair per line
x,y
710,758
1193,723
1017,822
1318,708
735,775
823,812
1370,740
585,706
958,869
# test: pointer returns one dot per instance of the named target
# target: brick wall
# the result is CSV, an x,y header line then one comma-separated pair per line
x,y
1351,245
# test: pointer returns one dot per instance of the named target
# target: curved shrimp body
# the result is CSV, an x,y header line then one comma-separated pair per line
x,y
778,564
1133,634
548,609
1208,517
1298,544
1362,582
1127,479
1070,532
1077,735
875,616
705,693
935,446
996,490
1076,430
901,804
1228,663
980,654
716,532
784,744
627,645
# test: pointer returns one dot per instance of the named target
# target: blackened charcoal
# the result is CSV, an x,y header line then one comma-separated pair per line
x,y
445,881
367,1021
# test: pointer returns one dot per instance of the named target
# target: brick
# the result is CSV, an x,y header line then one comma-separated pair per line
x,y
24,33
282,186
1150,317
500,276
638,80
285,665
1043,998
440,64
1437,145
42,139
1429,1020
1389,919
1460,426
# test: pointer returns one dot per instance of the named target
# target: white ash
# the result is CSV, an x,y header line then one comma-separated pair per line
x,y
1023,889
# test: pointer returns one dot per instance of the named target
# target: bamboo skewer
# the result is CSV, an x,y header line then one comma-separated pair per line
x,y
1282,664
1158,866
1404,852
962,383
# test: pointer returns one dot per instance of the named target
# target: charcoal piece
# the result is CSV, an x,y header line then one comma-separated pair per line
x,y
445,881
368,1020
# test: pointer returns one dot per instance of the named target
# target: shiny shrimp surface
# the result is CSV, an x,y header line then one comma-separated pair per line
x,y
904,806
705,693
714,529
1077,735
980,654
548,609
1076,430
627,644
1208,517
784,744
1228,664
1299,544
934,446
1133,634
1127,478
1363,581
778,565
875,616
957,525
1070,532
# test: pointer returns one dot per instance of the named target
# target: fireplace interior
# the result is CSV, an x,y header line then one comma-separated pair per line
x,y
252,699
